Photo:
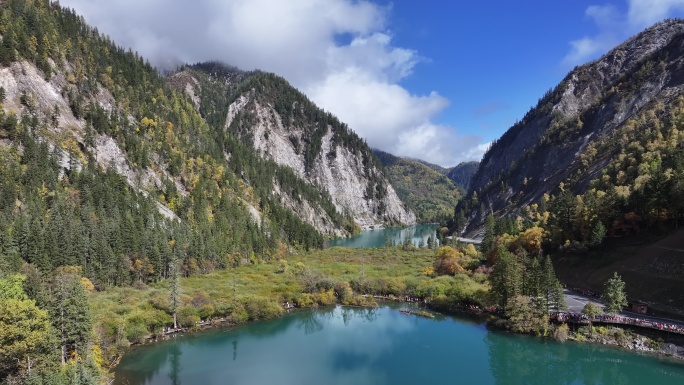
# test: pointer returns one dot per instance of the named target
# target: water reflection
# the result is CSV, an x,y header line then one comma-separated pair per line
x,y
396,235
298,351
175,362
381,346
528,360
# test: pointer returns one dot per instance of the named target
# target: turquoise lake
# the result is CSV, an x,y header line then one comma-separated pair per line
x,y
356,346
377,238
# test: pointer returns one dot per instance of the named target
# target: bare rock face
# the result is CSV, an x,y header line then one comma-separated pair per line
x,y
27,91
584,111
335,169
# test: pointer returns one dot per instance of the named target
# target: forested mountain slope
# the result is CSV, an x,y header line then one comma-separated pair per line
x,y
600,152
106,166
462,173
429,193
109,176
283,126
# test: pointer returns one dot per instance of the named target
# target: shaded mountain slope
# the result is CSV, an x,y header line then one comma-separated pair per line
x,y
609,125
429,193
462,173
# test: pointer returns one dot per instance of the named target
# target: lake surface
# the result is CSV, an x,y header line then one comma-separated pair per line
x,y
382,346
377,238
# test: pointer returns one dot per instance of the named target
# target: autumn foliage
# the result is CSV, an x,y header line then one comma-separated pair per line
x,y
448,261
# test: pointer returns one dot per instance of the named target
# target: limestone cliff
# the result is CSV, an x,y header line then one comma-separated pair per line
x,y
284,126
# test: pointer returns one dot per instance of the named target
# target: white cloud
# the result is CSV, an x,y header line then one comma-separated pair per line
x,y
300,40
643,13
615,26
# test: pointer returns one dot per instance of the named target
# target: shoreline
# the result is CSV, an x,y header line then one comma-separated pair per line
x,y
493,322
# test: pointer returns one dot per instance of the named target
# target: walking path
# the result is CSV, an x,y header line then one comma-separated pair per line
x,y
577,301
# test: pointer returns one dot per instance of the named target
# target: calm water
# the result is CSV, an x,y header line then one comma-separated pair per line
x,y
377,238
382,346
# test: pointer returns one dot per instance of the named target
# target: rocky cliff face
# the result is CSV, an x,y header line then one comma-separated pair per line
x,y
569,136
27,93
284,126
338,170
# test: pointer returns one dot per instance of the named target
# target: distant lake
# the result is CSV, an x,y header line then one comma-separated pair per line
x,y
377,238
354,346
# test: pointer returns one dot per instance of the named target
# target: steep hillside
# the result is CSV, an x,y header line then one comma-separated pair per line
x,y
462,173
606,130
107,167
435,167
430,194
264,111
654,270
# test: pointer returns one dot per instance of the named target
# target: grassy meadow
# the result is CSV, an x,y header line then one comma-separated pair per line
x,y
129,315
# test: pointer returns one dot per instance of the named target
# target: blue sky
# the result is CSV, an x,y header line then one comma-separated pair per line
x,y
494,59
432,79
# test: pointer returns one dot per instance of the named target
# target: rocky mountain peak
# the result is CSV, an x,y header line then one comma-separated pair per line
x,y
559,139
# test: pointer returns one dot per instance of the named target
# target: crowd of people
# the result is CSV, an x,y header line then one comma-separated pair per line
x,y
617,319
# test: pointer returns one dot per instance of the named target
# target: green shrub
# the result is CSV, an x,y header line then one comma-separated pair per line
x,y
561,332
161,301
238,314
206,311
261,308
136,331
343,291
188,316
325,297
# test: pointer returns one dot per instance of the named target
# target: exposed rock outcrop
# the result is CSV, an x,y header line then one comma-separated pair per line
x,y
264,111
27,92
336,169
566,137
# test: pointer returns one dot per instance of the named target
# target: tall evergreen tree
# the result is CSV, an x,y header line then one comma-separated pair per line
x,y
489,235
70,312
506,278
614,294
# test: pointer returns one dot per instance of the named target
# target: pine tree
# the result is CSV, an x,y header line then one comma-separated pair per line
x,y
614,295
551,287
506,278
70,312
598,233
175,285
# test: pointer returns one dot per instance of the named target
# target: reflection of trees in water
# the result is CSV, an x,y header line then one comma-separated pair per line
x,y
147,364
521,360
349,313
270,328
370,314
311,323
175,361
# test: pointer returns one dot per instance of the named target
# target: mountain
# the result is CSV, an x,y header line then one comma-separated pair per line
x,y
265,112
430,194
105,165
435,167
462,173
608,133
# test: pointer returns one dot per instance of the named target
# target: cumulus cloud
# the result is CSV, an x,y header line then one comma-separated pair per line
x,y
615,26
338,52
